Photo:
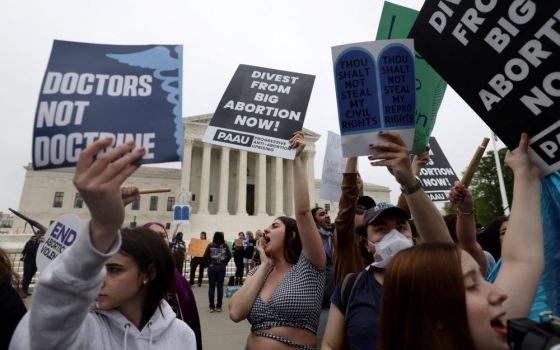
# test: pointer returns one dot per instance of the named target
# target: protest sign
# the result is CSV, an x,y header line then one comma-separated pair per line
x,y
60,235
395,23
197,247
92,91
502,58
260,111
181,214
375,90
333,167
437,176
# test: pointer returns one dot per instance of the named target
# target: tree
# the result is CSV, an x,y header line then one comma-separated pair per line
x,y
486,188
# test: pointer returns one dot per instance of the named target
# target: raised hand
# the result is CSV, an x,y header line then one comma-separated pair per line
x,y
519,161
129,194
99,182
420,162
296,142
461,197
393,154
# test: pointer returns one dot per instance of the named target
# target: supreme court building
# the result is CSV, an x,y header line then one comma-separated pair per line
x,y
228,190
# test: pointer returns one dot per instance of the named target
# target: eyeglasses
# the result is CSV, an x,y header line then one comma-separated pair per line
x,y
360,210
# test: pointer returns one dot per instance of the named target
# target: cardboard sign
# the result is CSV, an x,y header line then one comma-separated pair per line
x,y
260,111
437,176
238,244
61,234
502,58
333,167
181,214
92,91
395,23
375,90
197,247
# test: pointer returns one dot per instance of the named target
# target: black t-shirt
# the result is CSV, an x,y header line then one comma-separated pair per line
x,y
362,317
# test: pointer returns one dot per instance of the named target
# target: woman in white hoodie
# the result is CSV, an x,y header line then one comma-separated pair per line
x,y
126,274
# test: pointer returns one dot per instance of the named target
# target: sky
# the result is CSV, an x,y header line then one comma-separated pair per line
x,y
217,36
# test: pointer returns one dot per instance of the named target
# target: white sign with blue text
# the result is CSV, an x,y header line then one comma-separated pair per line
x,y
61,234
375,91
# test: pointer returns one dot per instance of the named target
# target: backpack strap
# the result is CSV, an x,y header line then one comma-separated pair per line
x,y
346,289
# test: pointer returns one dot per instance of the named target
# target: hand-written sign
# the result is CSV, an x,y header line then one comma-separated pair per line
x,y
375,90
437,176
91,92
61,234
197,247
502,58
260,111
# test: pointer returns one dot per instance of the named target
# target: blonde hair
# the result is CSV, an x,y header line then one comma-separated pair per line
x,y
250,234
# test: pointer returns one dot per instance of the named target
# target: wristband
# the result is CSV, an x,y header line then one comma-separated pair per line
x,y
413,188
465,213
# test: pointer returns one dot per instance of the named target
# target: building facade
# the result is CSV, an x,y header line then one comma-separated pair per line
x,y
228,190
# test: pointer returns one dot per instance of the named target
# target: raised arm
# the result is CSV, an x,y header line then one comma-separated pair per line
x,y
309,235
522,249
242,301
99,182
461,197
393,153
345,246
418,163
69,285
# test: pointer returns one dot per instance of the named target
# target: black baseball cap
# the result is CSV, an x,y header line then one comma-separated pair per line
x,y
384,208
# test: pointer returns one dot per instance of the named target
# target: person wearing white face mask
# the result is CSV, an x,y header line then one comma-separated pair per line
x,y
356,301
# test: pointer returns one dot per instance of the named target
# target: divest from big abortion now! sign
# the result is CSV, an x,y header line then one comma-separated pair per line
x,y
92,91
260,111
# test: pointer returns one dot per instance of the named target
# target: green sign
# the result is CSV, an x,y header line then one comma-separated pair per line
x,y
396,21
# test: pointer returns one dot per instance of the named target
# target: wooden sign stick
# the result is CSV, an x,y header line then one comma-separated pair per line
x,y
154,190
473,165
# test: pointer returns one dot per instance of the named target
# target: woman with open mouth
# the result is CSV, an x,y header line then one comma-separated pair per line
x,y
435,296
281,297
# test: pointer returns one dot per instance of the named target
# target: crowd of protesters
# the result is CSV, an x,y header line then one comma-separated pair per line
x,y
377,277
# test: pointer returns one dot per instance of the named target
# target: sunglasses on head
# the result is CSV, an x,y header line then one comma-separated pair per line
x,y
360,210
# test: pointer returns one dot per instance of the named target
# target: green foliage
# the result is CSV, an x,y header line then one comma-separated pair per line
x,y
486,188
448,208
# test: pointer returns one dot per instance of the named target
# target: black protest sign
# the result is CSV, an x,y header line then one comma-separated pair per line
x,y
437,176
502,58
260,110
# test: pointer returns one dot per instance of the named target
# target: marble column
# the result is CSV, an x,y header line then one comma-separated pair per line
x,y
261,185
310,163
242,184
224,181
289,190
205,179
279,187
186,169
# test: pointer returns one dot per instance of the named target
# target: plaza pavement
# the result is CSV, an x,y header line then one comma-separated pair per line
x,y
218,331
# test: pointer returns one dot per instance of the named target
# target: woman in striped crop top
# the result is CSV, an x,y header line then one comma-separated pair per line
x,y
281,298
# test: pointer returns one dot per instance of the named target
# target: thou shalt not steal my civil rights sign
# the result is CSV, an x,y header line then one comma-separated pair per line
x,y
260,111
502,58
92,91
437,176
375,90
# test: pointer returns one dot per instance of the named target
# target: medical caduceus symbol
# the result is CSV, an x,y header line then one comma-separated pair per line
x,y
159,59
